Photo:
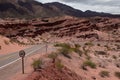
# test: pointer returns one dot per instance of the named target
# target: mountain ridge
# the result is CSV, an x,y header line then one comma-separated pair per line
x,y
34,9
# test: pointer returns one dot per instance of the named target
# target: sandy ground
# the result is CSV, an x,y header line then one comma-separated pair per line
x,y
7,47
75,63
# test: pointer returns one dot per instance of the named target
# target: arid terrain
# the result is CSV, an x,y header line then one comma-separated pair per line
x,y
84,48
63,40
76,62
8,47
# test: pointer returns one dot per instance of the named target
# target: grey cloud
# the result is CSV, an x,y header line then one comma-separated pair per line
x,y
95,2
110,6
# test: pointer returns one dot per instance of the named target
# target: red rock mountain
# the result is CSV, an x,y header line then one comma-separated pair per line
x,y
95,28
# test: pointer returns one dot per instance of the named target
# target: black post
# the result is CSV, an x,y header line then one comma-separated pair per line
x,y
23,65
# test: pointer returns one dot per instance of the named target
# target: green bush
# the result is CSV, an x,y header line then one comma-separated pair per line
x,y
89,63
65,52
104,74
53,56
65,49
117,74
37,64
59,65
65,45
76,50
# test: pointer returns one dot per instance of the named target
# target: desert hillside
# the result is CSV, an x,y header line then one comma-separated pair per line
x,y
89,61
8,46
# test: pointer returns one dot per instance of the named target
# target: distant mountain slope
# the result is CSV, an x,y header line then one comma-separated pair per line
x,y
25,8
64,9
32,8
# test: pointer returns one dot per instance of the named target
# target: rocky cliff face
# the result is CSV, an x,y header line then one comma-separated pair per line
x,y
82,28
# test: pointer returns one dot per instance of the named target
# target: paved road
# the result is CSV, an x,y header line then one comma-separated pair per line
x,y
13,57
10,64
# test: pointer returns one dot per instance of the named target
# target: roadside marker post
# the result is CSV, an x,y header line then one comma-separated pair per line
x,y
22,55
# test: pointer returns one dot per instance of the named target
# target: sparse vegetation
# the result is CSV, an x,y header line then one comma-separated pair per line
x,y
63,45
37,64
65,49
65,52
53,56
59,64
117,74
89,63
77,50
104,74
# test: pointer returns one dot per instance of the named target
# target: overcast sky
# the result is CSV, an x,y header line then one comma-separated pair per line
x,y
109,6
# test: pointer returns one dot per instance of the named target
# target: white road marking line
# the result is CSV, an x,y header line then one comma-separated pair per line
x,y
19,58
10,63
34,51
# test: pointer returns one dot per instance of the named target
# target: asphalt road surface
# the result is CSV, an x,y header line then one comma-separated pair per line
x,y
10,63
13,57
